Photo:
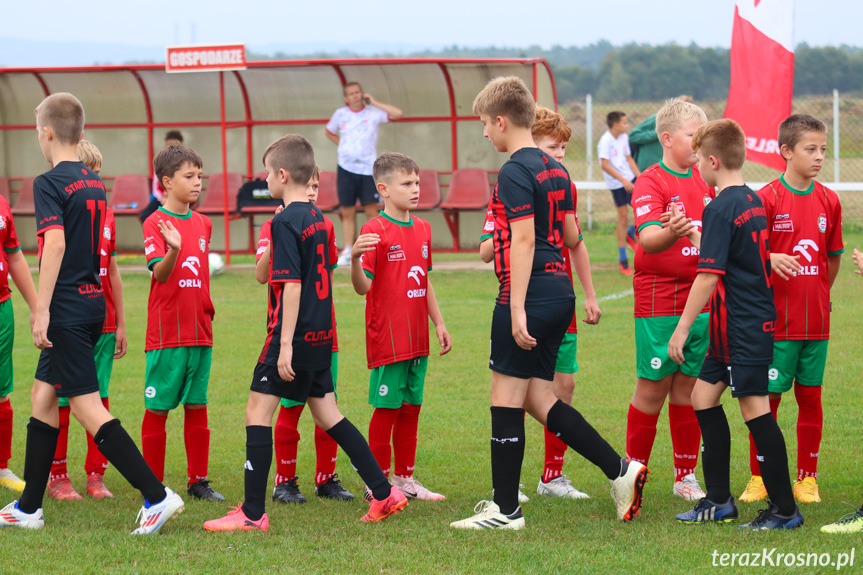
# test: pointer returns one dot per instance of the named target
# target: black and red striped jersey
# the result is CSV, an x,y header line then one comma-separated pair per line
x,y
531,184
299,254
734,244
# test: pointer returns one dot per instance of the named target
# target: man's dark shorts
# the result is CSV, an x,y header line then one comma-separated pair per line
x,y
742,379
69,365
351,186
306,383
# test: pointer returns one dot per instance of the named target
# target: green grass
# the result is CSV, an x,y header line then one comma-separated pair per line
x,y
326,537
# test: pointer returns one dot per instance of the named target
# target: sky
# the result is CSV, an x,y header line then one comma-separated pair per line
x,y
93,30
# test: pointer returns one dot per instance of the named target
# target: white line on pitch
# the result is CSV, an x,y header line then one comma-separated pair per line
x,y
618,295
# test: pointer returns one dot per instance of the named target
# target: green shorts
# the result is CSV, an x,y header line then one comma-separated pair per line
x,y
334,369
652,335
803,360
103,353
393,384
177,375
7,340
566,362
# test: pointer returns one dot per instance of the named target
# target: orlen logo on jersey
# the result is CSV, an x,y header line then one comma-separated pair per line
x,y
415,273
193,263
103,272
803,247
690,251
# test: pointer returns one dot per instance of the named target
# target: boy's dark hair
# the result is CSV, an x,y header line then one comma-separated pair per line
x,y
174,135
507,96
294,154
614,117
172,158
349,84
64,114
391,163
723,139
792,128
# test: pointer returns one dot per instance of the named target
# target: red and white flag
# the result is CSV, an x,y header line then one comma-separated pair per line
x,y
762,75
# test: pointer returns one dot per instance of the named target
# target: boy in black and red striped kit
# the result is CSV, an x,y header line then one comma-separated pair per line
x,y
296,358
734,274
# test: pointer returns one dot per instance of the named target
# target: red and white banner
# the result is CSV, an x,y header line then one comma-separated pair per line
x,y
205,58
762,75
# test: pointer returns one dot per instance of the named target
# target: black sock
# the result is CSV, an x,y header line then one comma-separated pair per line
x,y
576,432
355,445
259,458
773,461
116,445
715,452
38,455
507,455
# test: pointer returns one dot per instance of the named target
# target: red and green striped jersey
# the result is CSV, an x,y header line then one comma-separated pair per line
x,y
807,224
108,249
180,311
9,241
662,281
397,313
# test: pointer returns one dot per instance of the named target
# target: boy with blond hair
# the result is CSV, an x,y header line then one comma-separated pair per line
x,y
551,134
804,220
390,264
533,220
180,313
67,323
12,263
286,435
668,200
296,358
733,273
111,346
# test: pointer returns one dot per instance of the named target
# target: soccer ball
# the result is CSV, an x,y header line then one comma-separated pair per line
x,y
217,264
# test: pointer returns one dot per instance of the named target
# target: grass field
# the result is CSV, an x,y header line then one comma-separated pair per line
x,y
453,458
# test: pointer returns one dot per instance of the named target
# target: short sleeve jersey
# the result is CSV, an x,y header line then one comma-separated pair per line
x,y
807,224
615,151
266,238
9,240
71,197
397,313
734,245
531,184
180,311
358,137
662,281
299,254
107,250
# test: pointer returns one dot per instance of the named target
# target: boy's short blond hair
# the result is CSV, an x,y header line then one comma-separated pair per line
x,y
675,113
294,154
172,158
507,96
90,155
792,128
723,139
392,163
548,123
64,114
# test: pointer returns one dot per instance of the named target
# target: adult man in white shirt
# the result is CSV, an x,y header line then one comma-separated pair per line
x,y
354,129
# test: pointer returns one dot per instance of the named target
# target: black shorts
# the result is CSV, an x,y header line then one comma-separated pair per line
x,y
742,379
69,365
621,196
351,186
547,323
306,383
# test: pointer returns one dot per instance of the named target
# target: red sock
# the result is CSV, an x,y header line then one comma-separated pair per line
x,y
5,433
810,422
196,435
685,439
555,449
95,462
326,451
753,451
640,433
153,438
405,439
380,432
58,466
285,441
